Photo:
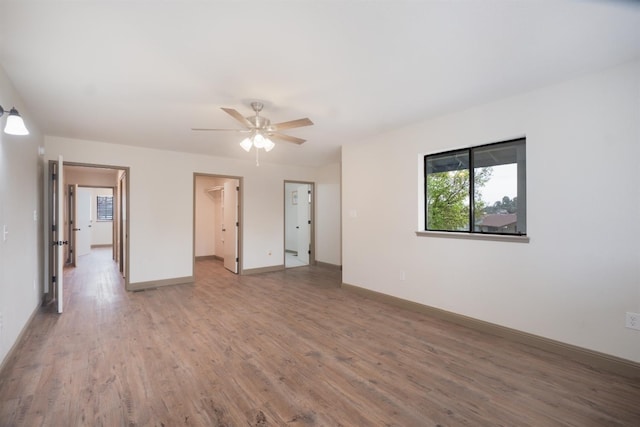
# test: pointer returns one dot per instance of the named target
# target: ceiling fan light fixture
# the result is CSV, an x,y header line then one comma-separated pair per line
x,y
261,131
259,141
268,145
246,144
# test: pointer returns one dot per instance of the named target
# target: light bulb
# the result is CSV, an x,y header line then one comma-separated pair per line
x,y
259,141
15,125
268,145
246,144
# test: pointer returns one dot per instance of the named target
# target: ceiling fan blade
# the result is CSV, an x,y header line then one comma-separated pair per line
x,y
292,124
287,138
239,117
223,130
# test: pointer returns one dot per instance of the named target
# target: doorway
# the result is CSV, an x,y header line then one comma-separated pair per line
x,y
90,218
299,234
217,224
83,209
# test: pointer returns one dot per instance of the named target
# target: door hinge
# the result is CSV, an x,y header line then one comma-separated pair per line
x,y
237,259
237,224
53,279
238,188
53,228
309,222
309,251
54,176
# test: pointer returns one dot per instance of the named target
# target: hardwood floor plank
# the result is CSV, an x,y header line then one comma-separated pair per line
x,y
286,348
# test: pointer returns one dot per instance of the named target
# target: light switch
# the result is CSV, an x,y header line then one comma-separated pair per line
x,y
5,232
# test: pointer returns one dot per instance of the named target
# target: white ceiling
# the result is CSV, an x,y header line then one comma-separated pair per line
x,y
145,72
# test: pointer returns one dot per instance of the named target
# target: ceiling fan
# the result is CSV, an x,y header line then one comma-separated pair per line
x,y
261,129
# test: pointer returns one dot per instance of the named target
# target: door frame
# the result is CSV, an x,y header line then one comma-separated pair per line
x,y
48,242
119,234
54,232
240,217
312,218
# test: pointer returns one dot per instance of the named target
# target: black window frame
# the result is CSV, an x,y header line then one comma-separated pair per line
x,y
470,166
100,208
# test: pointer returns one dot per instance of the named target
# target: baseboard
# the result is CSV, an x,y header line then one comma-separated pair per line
x,y
329,265
589,357
140,286
206,257
262,269
20,336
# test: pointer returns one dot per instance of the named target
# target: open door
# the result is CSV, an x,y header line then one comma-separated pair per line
x,y
304,223
56,213
298,224
230,226
72,214
83,221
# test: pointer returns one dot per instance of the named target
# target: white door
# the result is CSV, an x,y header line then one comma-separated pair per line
x,y
304,226
83,221
230,225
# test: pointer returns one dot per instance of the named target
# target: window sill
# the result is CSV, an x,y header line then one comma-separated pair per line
x,y
474,236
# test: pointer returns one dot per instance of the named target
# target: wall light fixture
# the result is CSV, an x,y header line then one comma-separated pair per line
x,y
15,124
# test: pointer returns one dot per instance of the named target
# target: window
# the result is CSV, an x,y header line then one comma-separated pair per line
x,y
105,208
477,190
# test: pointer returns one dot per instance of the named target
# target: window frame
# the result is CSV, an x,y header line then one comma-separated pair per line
x,y
471,233
100,218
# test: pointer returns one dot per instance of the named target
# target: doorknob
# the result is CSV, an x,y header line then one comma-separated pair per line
x,y
76,229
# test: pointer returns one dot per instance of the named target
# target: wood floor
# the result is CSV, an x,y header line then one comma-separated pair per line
x,y
282,349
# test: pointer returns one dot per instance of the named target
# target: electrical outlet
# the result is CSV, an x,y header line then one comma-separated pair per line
x,y
632,320
403,276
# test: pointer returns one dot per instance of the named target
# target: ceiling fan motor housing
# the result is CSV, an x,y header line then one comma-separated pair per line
x,y
259,122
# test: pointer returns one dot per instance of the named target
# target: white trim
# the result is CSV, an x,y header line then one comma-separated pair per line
x,y
474,236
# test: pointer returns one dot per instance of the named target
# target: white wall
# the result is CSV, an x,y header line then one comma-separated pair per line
x,y
206,218
291,218
580,272
328,222
21,178
157,176
218,223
